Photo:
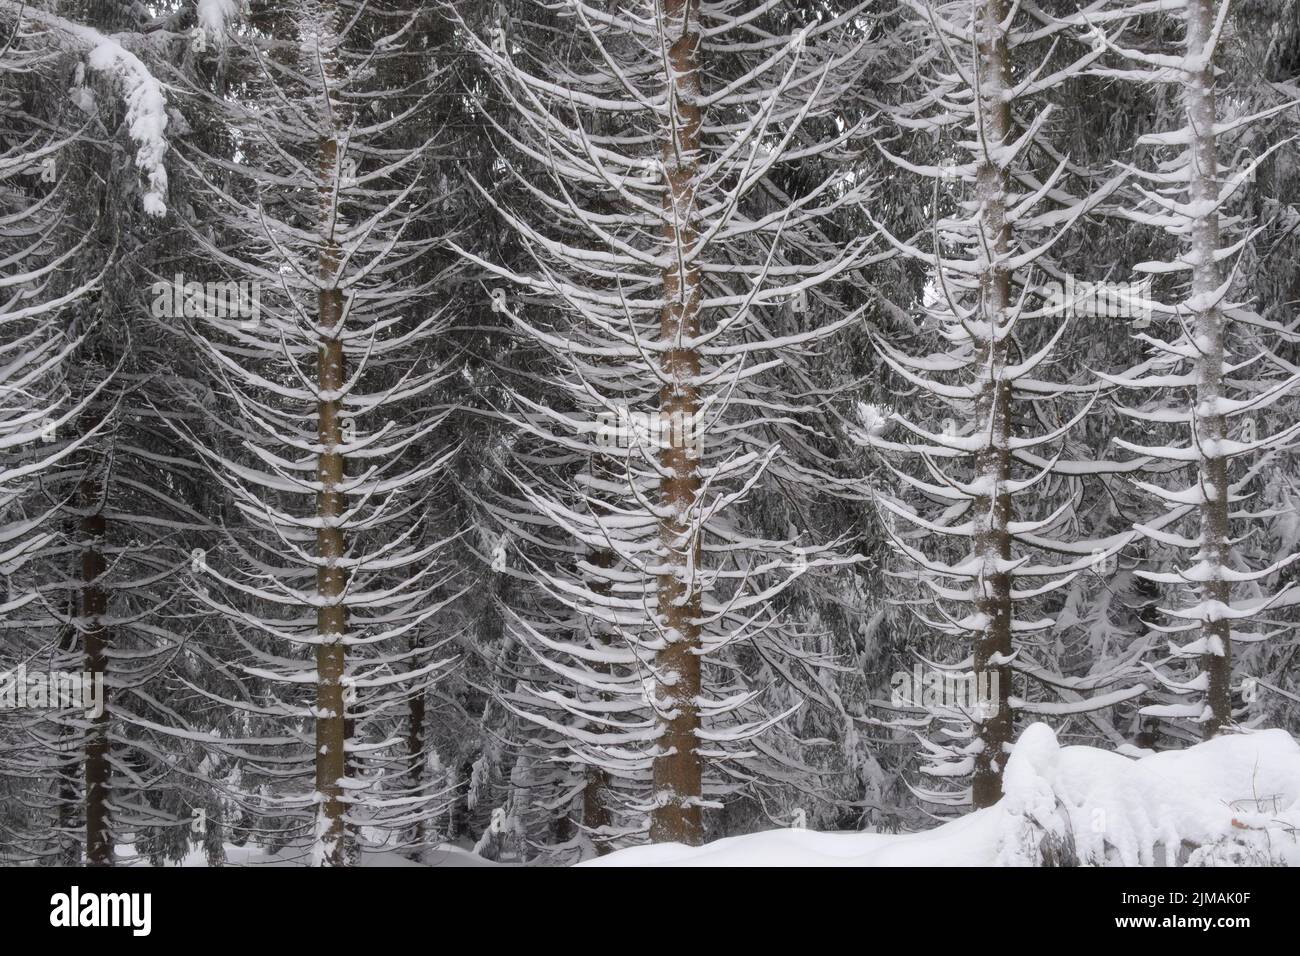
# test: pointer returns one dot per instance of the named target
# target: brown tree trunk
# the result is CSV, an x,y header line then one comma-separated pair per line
x,y
415,752
70,847
993,411
333,726
331,579
594,812
458,822
94,606
676,816
595,808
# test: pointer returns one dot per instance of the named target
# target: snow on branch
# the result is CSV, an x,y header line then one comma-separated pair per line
x,y
146,103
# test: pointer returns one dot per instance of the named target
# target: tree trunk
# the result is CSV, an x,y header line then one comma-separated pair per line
x,y
331,579
458,822
94,606
69,845
595,808
1210,429
415,752
595,814
993,412
676,816
331,618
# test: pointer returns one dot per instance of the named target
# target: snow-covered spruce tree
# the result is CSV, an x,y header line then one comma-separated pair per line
x,y
1265,44
1212,372
33,227
322,429
676,302
91,782
571,803
987,529
34,407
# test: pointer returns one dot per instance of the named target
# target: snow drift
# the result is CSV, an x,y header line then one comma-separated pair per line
x,y
1233,800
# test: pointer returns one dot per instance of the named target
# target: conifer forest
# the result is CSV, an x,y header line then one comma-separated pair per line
x,y
631,432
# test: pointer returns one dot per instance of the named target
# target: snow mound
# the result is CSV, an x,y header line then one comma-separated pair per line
x,y
1234,800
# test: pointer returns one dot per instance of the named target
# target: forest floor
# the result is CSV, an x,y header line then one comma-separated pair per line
x,y
1233,800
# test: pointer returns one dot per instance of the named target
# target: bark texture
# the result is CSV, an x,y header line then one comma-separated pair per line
x,y
678,772
993,646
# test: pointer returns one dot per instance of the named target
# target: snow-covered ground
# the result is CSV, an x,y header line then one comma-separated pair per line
x,y
446,855
1231,800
